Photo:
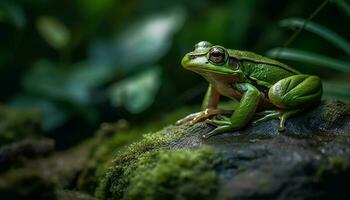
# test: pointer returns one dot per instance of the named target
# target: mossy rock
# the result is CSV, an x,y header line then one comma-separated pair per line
x,y
111,138
308,161
17,124
40,178
18,153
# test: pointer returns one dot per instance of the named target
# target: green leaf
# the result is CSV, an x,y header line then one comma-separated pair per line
x,y
309,57
55,33
142,43
318,30
342,4
336,90
138,92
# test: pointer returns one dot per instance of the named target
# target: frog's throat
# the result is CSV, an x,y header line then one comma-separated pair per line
x,y
209,70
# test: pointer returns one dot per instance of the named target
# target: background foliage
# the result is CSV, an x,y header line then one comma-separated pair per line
x,y
83,62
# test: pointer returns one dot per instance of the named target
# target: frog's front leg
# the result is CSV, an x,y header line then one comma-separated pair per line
x,y
209,108
241,115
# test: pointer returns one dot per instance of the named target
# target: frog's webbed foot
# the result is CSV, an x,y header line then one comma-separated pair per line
x,y
282,115
223,124
201,116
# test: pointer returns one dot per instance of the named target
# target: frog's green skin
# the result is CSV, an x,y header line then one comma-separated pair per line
x,y
257,82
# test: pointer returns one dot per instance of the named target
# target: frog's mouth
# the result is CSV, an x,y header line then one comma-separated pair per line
x,y
204,69
200,64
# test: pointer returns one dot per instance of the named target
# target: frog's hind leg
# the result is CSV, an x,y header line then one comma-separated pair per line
x,y
282,115
291,95
295,92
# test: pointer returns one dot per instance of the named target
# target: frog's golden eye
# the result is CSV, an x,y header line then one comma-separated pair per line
x,y
217,55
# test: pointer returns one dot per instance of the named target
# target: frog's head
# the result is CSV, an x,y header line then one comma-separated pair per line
x,y
208,58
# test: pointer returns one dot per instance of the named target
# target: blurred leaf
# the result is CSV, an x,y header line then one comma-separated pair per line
x,y
46,79
49,80
318,30
55,33
336,90
61,88
344,6
12,13
143,42
309,57
53,115
84,78
138,92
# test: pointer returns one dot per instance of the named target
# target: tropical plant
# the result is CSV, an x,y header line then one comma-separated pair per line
x,y
332,88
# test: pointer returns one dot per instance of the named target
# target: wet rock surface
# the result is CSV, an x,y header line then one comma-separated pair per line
x,y
310,160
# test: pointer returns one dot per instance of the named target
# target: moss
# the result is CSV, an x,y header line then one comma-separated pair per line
x,y
17,124
100,158
112,137
186,171
334,111
150,142
165,174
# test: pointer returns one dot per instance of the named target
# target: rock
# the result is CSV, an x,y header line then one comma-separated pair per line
x,y
27,148
71,195
40,178
311,160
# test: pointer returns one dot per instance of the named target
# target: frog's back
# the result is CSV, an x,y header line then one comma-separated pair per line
x,y
262,68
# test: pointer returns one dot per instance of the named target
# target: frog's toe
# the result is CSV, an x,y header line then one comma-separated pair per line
x,y
216,131
186,119
201,116
222,117
264,113
270,115
282,115
217,122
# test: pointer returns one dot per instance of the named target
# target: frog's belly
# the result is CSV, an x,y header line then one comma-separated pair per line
x,y
227,89
225,86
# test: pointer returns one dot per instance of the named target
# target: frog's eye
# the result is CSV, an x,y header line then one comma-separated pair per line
x,y
217,55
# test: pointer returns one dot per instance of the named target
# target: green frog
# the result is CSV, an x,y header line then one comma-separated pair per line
x,y
265,88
